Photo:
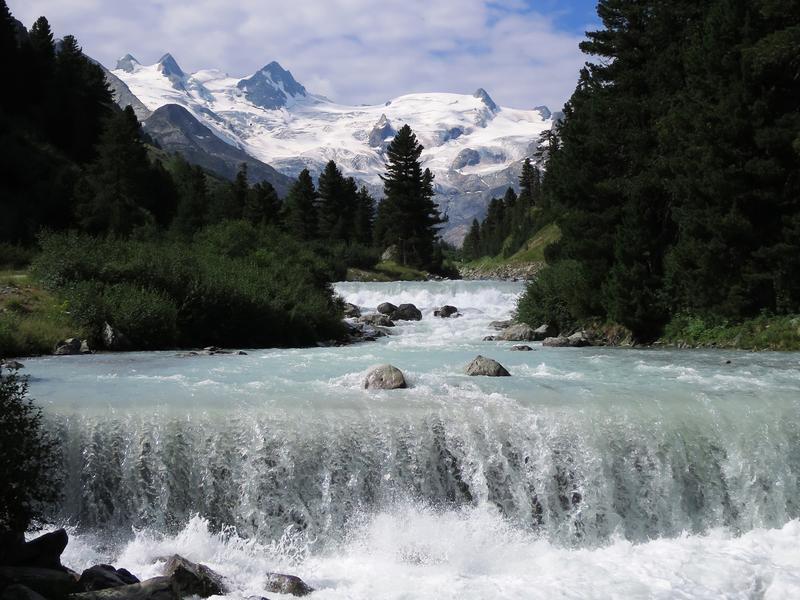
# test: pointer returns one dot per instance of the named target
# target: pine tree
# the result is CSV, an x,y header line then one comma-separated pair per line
x,y
332,204
364,220
193,200
262,206
300,214
114,193
407,216
472,242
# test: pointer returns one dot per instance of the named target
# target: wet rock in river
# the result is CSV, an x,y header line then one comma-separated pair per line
x,y
385,377
488,367
386,308
101,577
287,584
193,579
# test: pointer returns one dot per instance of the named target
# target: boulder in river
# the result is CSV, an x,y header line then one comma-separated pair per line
x,y
521,348
446,312
385,377
519,332
351,310
487,367
576,340
12,365
386,308
489,338
407,312
67,347
85,349
376,320
287,584
42,552
102,577
157,588
560,341
500,325
193,579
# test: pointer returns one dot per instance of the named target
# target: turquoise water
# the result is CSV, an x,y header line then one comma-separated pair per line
x,y
643,473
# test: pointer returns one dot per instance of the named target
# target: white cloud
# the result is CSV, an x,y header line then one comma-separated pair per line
x,y
355,51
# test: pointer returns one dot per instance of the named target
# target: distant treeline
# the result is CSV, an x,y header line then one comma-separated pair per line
x,y
675,176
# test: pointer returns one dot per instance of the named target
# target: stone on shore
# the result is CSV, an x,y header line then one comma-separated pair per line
x,y
287,584
114,339
545,331
500,325
518,333
488,367
576,340
67,347
13,365
193,579
385,377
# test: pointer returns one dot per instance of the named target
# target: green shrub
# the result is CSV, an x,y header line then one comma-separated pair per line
x,y
558,296
264,289
147,317
28,456
15,257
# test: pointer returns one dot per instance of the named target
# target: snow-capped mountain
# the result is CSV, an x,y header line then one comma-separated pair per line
x,y
474,147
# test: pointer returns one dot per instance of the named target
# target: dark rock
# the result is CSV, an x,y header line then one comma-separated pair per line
x,y
381,131
85,349
446,311
467,157
544,331
500,325
44,551
517,333
486,367
351,310
384,377
377,320
20,592
521,348
287,584
101,577
157,588
67,347
241,353
114,339
386,308
13,365
489,338
556,342
193,579
407,312
54,584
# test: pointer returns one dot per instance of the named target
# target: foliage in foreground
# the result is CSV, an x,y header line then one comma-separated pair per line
x,y
235,285
761,333
29,456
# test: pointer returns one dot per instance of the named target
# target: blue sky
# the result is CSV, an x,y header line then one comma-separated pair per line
x,y
523,52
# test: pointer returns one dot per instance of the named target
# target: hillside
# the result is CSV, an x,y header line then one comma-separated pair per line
x,y
523,264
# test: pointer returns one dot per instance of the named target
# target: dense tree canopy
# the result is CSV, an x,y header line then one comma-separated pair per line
x,y
676,172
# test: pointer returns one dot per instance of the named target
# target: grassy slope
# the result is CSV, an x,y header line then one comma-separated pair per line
x,y
531,252
760,333
387,271
31,319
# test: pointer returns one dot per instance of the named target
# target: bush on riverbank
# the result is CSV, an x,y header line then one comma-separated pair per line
x,y
234,286
761,333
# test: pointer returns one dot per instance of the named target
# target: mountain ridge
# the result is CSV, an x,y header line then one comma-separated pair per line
x,y
273,118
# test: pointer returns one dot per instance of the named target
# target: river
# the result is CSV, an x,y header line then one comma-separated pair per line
x,y
590,473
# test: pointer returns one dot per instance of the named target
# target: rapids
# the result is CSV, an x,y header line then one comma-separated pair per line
x,y
590,473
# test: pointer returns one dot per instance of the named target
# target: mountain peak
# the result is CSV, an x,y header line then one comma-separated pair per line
x,y
543,111
127,63
484,97
271,86
169,66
